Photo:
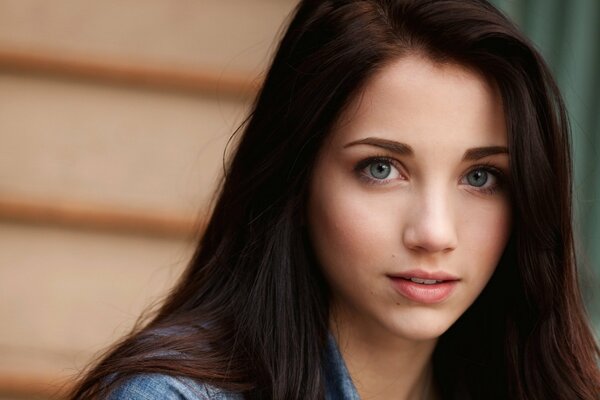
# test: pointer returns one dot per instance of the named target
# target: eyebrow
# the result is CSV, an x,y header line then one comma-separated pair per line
x,y
475,153
482,152
391,145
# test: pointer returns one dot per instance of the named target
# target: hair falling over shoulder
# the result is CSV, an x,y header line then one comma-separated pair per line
x,y
250,313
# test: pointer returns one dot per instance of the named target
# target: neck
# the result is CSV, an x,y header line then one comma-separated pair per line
x,y
384,366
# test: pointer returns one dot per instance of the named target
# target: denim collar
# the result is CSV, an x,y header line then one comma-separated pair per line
x,y
338,385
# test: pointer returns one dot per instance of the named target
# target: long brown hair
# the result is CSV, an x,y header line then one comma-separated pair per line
x,y
250,314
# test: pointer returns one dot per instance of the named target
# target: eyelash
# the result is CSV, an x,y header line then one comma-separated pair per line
x,y
497,173
361,165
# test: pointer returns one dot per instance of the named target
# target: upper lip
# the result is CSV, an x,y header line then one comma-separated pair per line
x,y
422,274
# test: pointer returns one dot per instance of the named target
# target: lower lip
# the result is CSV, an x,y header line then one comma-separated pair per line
x,y
421,293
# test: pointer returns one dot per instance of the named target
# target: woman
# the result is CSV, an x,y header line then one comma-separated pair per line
x,y
395,223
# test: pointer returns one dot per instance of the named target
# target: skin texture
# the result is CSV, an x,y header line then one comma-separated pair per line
x,y
429,213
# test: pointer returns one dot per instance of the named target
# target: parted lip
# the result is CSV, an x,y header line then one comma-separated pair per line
x,y
422,274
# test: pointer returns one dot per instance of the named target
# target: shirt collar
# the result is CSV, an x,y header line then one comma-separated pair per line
x,y
338,385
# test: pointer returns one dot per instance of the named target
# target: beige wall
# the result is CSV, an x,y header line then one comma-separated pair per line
x,y
115,146
111,148
220,34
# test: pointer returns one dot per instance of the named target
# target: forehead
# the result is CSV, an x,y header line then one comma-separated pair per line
x,y
424,102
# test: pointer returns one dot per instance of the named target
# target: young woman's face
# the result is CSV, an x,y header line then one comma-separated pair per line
x,y
409,208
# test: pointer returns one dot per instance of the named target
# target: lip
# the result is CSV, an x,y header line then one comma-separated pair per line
x,y
422,274
422,293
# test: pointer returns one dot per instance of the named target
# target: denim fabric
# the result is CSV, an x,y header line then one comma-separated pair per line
x,y
338,385
158,386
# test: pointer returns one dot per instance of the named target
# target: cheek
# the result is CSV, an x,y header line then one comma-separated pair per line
x,y
484,236
347,231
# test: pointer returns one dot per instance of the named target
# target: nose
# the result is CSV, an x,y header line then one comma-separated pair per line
x,y
430,226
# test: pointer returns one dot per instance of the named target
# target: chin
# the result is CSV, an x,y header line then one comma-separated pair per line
x,y
420,328
419,334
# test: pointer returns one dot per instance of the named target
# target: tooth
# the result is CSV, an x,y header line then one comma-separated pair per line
x,y
424,281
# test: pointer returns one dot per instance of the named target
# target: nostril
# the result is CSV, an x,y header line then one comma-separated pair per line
x,y
430,236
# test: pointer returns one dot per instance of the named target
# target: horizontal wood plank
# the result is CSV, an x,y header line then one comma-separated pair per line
x,y
34,385
142,74
98,218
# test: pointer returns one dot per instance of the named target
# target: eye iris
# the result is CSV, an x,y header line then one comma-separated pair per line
x,y
477,178
380,170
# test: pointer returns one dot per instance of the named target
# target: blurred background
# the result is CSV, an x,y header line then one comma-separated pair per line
x,y
114,116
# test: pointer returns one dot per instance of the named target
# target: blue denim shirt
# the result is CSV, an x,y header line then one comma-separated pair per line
x,y
338,385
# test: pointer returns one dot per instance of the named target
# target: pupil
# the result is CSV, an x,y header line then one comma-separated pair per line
x,y
380,170
477,178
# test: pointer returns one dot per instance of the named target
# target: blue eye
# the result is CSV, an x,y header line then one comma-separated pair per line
x,y
377,170
485,179
477,177
380,169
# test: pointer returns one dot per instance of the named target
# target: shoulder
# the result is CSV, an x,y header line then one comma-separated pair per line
x,y
160,386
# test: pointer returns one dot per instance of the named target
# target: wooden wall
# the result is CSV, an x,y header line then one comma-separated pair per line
x,y
114,117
